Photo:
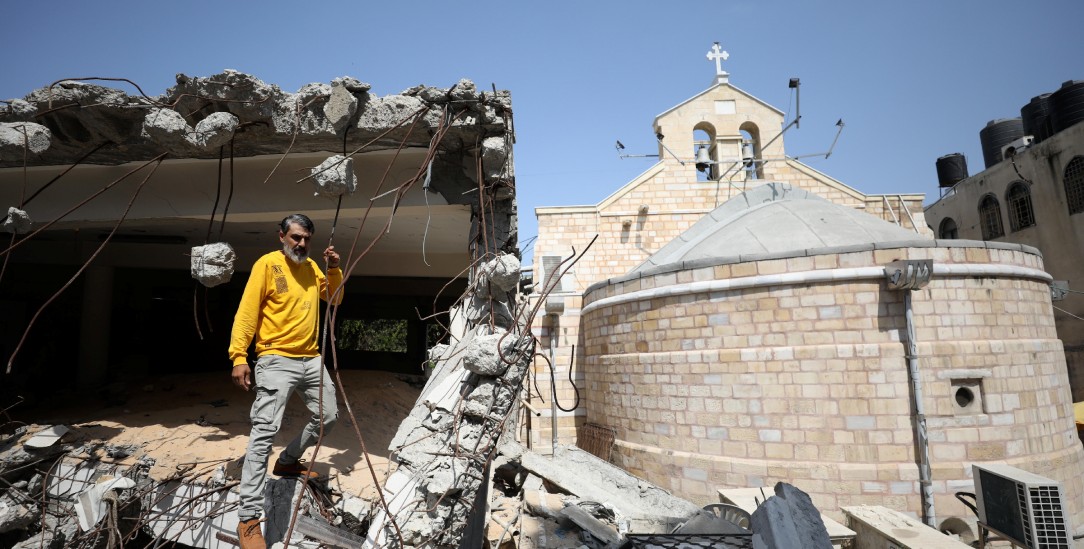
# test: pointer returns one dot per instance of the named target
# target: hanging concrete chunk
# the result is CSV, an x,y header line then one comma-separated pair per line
x,y
167,128
18,221
499,275
335,177
213,264
214,131
482,356
14,143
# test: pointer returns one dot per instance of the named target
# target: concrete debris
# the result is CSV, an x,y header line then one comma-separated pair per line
x,y
21,139
335,177
495,157
167,128
788,519
600,530
17,221
170,130
351,84
380,113
212,264
499,275
341,106
648,507
47,437
16,515
490,355
214,131
464,90
19,110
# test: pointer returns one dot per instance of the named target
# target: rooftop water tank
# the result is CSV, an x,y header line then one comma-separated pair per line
x,y
996,135
1067,105
1036,117
951,169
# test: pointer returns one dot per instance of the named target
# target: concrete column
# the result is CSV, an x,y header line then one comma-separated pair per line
x,y
94,326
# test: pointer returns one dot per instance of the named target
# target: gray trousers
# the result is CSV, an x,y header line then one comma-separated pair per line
x,y
276,378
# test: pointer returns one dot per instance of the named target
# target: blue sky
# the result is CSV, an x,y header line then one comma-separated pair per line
x,y
912,80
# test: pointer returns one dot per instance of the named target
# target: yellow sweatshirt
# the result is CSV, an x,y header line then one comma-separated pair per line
x,y
280,308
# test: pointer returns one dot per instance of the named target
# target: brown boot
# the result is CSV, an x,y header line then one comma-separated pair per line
x,y
298,469
249,534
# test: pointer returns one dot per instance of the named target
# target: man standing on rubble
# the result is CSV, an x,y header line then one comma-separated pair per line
x,y
280,308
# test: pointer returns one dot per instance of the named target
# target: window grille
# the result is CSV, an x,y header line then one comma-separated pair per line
x,y
990,218
1074,185
1021,214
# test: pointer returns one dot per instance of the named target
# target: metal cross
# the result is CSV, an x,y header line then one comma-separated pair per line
x,y
718,55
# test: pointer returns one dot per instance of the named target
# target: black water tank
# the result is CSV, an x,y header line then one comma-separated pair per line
x,y
951,169
1036,117
997,134
1067,105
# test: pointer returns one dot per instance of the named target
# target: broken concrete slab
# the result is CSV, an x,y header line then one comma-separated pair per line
x,y
213,264
648,507
600,530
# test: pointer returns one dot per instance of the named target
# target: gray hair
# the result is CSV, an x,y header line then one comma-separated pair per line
x,y
300,219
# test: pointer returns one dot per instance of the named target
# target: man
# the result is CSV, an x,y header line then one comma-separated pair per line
x,y
280,308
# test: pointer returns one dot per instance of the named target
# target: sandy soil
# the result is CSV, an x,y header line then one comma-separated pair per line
x,y
192,424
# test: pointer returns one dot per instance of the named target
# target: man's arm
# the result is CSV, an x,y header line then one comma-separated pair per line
x,y
244,324
334,279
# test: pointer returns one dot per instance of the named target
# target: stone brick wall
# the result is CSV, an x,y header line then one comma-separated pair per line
x,y
808,383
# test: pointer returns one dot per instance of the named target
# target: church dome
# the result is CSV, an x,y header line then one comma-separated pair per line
x,y
780,220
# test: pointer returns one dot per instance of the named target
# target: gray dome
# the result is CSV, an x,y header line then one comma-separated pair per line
x,y
776,218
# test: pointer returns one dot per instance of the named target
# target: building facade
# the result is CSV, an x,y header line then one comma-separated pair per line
x,y
1036,198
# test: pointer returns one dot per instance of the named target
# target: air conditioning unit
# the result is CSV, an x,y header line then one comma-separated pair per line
x,y
1024,507
1017,145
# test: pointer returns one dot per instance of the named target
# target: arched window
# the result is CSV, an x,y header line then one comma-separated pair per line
x,y
1074,185
1021,214
990,218
948,229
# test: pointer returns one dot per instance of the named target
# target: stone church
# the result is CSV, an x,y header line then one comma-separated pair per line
x,y
740,321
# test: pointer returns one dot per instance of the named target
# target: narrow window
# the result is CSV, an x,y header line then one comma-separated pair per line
x,y
948,229
1021,214
1074,185
990,218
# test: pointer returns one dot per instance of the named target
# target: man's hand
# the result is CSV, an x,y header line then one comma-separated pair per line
x,y
242,376
331,257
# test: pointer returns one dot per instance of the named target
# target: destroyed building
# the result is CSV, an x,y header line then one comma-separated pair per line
x,y
132,218
737,321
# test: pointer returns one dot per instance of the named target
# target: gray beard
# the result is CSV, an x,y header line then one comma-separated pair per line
x,y
294,255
